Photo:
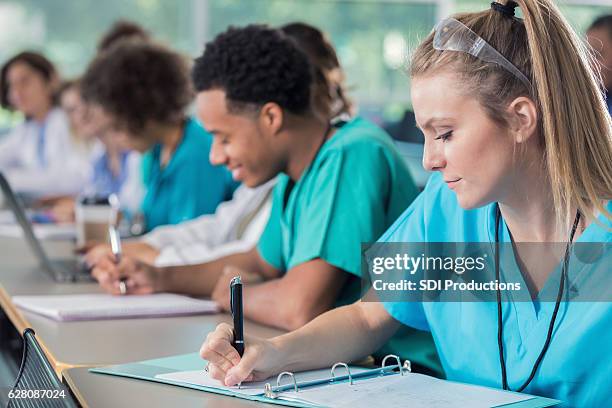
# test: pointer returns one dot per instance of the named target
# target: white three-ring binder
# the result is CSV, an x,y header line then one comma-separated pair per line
x,y
339,386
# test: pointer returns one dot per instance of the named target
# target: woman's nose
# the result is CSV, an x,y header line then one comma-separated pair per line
x,y
433,155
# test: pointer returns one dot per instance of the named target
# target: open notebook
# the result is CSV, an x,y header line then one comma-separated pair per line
x,y
340,386
102,306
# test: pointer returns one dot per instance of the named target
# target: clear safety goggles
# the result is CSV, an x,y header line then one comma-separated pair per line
x,y
453,35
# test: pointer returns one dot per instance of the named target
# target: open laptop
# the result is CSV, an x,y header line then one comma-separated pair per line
x,y
61,270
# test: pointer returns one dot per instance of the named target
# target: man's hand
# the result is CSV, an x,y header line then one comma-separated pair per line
x,y
221,293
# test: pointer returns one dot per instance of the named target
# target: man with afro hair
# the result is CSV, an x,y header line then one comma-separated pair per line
x,y
338,186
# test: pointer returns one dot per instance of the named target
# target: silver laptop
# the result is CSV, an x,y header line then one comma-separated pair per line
x,y
61,270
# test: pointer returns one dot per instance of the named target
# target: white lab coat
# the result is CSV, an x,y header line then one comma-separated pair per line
x,y
66,168
235,227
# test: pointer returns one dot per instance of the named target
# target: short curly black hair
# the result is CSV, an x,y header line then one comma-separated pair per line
x,y
138,82
255,65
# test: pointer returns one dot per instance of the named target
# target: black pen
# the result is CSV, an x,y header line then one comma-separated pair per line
x,y
115,242
236,309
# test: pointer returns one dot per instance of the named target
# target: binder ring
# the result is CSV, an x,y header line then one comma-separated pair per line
x,y
399,363
347,370
268,391
280,376
407,366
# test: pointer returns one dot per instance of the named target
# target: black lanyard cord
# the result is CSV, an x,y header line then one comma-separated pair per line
x,y
500,328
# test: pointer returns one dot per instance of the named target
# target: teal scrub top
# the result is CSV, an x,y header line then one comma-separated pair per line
x,y
576,368
189,185
354,189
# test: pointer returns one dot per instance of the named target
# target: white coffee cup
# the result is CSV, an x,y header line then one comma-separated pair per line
x,y
92,216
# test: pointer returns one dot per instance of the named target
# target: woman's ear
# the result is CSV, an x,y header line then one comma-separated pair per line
x,y
523,118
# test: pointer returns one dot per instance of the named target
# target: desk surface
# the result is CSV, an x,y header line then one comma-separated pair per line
x,y
98,390
104,342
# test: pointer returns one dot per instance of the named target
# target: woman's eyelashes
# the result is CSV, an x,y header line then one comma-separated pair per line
x,y
444,136
221,139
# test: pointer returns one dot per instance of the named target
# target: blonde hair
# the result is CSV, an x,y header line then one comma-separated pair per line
x,y
573,121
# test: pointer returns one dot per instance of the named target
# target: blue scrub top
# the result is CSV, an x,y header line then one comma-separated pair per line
x,y
358,171
104,182
189,185
576,368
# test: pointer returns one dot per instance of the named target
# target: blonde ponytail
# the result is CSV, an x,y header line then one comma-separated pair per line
x,y
575,127
575,122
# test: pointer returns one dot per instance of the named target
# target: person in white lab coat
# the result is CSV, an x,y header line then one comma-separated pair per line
x,y
39,157
234,227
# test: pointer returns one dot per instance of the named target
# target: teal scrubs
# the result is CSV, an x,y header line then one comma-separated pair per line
x,y
354,189
576,368
189,185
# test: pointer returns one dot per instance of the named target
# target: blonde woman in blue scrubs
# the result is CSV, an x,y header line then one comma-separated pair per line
x,y
519,136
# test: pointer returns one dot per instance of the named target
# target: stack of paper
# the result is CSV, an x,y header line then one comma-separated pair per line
x,y
102,306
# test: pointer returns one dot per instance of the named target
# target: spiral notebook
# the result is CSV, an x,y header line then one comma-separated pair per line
x,y
339,386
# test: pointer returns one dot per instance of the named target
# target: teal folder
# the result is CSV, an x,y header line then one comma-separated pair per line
x,y
148,370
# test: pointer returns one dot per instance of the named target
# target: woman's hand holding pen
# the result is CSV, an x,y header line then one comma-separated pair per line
x,y
261,357
140,278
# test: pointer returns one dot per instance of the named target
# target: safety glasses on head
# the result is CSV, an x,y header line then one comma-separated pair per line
x,y
453,35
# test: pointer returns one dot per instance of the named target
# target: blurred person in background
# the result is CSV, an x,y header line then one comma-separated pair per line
x,y
143,90
122,30
116,169
39,157
329,94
